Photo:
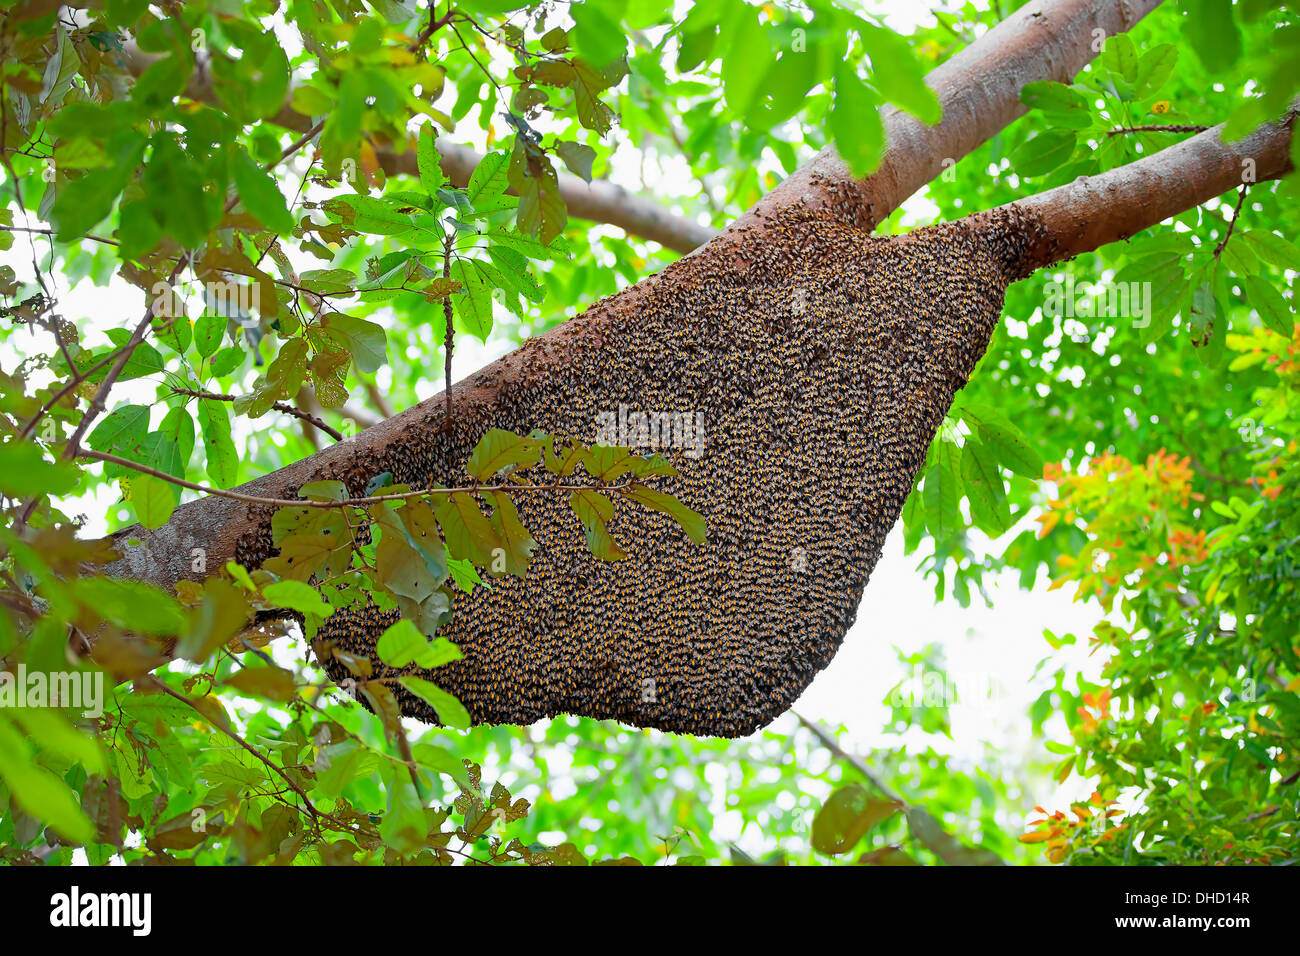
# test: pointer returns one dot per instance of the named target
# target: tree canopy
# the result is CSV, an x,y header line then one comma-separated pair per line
x,y
315,211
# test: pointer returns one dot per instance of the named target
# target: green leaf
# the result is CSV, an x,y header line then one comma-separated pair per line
x,y
177,190
1274,311
516,543
466,531
942,491
474,304
512,270
597,32
587,84
529,246
984,488
578,158
1273,249
487,184
594,510
744,61
297,596
341,136
403,827
121,432
426,157
365,341
223,459
208,330
38,791
1155,68
403,568
692,522
272,683
542,211
498,450
51,730
1044,152
87,200
226,361
260,195
25,472
378,217
855,123
1009,446
464,574
846,817
1120,57
402,644
1211,29
324,491
450,711
153,499
142,607
898,74
1054,97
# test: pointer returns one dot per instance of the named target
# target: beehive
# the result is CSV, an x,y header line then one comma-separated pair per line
x,y
822,360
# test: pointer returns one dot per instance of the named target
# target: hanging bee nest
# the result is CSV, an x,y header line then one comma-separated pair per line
x,y
818,374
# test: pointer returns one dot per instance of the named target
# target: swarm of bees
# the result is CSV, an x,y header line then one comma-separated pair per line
x,y
823,360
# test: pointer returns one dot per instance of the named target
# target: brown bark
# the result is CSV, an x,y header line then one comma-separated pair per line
x,y
1095,210
979,90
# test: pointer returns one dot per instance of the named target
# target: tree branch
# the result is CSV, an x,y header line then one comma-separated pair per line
x,y
344,502
285,407
598,201
1092,211
979,90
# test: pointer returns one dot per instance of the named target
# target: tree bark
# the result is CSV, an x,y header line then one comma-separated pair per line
x,y
1095,210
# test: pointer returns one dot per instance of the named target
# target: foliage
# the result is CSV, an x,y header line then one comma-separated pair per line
x,y
300,246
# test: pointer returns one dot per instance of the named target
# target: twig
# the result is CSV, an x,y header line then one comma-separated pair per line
x,y
278,406
1156,129
831,744
380,402
346,502
230,732
433,26
446,311
1236,214
296,145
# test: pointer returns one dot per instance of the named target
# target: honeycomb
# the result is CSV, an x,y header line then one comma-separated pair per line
x,y
821,360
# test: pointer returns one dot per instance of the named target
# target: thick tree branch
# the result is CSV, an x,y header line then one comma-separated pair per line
x,y
1092,211
979,90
